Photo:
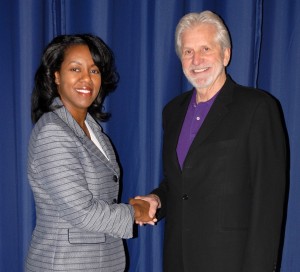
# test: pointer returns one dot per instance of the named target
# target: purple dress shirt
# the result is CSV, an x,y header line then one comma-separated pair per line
x,y
194,118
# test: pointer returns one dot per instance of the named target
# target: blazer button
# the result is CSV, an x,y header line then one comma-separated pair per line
x,y
185,197
114,201
115,178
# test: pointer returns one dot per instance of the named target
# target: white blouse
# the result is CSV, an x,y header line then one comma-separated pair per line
x,y
94,139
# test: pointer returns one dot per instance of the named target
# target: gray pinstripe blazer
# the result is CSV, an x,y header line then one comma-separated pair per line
x,y
79,225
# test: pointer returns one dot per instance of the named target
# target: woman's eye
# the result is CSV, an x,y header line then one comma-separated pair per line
x,y
75,69
95,71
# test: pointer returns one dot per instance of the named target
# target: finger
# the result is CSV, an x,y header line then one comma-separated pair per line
x,y
145,223
152,212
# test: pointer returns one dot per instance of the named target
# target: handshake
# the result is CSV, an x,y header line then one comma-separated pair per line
x,y
145,209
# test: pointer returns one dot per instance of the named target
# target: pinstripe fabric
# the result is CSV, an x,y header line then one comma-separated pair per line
x,y
79,226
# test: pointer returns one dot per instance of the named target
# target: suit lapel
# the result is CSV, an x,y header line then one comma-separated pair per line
x,y
179,115
105,144
63,113
217,112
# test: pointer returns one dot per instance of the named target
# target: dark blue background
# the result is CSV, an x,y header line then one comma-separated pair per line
x,y
266,54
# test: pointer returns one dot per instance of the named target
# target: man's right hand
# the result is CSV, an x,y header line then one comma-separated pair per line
x,y
141,210
154,202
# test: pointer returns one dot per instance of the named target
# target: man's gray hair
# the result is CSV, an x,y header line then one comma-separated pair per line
x,y
206,17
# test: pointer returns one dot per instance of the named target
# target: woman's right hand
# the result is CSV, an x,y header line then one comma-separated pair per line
x,y
141,210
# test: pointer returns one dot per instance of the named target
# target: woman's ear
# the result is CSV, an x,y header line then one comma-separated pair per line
x,y
57,78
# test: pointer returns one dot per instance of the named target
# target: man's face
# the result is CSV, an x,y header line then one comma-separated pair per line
x,y
203,60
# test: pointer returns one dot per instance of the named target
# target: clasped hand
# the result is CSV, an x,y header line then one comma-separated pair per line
x,y
144,210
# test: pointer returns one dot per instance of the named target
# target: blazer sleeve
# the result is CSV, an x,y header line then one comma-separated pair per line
x,y
58,173
162,190
268,175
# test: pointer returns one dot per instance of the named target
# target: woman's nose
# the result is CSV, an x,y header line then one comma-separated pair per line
x,y
86,75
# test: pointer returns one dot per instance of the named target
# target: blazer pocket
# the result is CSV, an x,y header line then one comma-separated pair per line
x,y
235,210
77,236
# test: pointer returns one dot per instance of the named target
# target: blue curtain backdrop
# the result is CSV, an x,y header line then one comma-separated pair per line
x,y
266,54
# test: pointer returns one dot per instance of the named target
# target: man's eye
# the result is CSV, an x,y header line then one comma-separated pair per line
x,y
187,53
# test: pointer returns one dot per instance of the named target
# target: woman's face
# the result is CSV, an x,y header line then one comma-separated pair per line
x,y
78,80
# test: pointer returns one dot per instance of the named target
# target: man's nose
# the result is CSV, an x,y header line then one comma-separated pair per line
x,y
197,58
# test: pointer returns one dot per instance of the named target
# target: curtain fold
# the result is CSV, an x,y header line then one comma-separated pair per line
x,y
257,40
279,73
265,54
58,14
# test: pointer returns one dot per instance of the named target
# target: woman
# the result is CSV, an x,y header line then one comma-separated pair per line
x,y
72,167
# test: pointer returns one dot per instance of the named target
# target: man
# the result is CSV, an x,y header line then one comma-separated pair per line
x,y
224,156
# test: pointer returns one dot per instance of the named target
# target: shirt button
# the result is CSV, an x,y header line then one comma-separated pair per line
x,y
185,197
115,178
197,118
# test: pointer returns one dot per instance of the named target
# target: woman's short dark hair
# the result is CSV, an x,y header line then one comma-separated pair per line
x,y
45,88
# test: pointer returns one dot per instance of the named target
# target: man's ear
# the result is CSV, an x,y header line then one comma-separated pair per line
x,y
227,53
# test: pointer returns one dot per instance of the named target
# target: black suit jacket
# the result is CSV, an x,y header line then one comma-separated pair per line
x,y
224,208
